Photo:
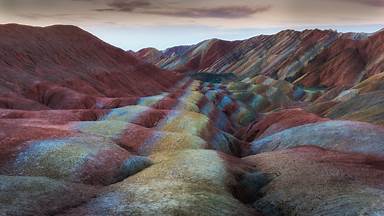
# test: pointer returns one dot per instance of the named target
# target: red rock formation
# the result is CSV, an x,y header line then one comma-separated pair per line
x,y
149,54
66,67
313,57
278,121
346,62
314,181
78,115
281,55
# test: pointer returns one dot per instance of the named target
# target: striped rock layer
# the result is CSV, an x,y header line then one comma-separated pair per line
x,y
298,130
313,58
177,153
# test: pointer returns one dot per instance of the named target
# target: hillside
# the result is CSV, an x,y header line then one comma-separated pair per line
x,y
287,124
66,67
311,57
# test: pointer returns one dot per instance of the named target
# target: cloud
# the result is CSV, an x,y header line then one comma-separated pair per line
x,y
148,7
125,6
218,12
129,6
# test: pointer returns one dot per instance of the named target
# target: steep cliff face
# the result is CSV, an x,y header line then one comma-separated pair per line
x,y
43,66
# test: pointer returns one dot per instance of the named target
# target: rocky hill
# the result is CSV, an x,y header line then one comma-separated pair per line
x,y
311,57
66,67
88,129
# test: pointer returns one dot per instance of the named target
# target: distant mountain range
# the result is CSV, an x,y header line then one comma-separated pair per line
x,y
311,57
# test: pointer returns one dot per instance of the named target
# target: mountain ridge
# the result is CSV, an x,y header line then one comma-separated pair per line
x,y
284,55
93,130
63,59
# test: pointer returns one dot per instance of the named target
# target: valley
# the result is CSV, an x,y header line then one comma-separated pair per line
x,y
285,124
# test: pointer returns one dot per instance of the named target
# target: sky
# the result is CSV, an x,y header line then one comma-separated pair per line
x,y
136,24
